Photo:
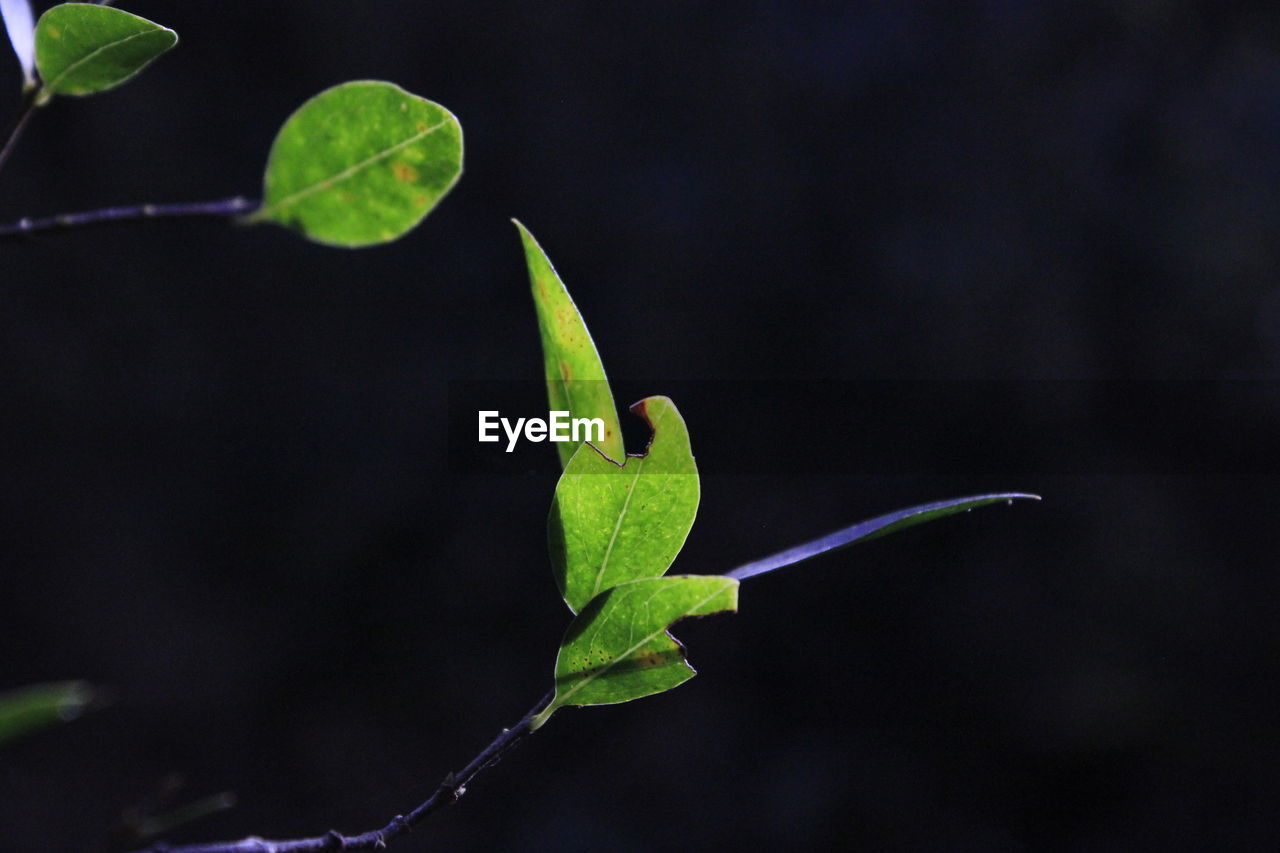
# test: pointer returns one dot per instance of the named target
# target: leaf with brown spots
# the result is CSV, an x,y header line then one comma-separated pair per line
x,y
618,647
613,523
360,164
575,376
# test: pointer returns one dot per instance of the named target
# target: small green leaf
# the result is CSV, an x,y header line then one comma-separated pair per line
x,y
359,164
27,709
84,48
613,523
575,376
874,528
618,649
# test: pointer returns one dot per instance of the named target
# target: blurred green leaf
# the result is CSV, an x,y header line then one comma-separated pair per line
x,y
618,649
874,528
84,48
27,709
610,524
359,164
153,817
576,381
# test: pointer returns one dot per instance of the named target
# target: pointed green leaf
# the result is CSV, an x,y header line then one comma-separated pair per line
x,y
575,377
360,164
610,524
873,529
84,48
618,649
20,25
27,709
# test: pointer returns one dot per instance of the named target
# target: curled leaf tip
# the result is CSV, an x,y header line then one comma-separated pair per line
x,y
614,522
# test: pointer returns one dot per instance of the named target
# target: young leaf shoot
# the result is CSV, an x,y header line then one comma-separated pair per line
x,y
576,381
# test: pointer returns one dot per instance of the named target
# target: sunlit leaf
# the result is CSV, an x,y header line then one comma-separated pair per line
x,y
873,529
576,381
20,25
27,709
84,48
618,649
360,164
610,524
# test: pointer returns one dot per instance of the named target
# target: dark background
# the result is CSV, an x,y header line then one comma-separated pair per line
x,y
228,493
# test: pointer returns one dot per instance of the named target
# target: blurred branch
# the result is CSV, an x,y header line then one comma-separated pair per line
x,y
446,794
226,207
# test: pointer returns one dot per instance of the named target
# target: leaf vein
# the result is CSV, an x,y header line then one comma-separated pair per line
x,y
346,173
617,525
53,84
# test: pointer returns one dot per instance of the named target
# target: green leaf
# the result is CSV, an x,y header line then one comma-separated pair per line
x,y
618,649
873,529
575,376
613,523
84,48
359,164
27,709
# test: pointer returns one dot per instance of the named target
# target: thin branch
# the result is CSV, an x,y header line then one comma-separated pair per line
x,y
28,110
446,794
226,208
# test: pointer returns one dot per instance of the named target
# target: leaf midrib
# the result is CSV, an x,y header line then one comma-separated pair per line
x,y
349,172
617,526
52,85
635,481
